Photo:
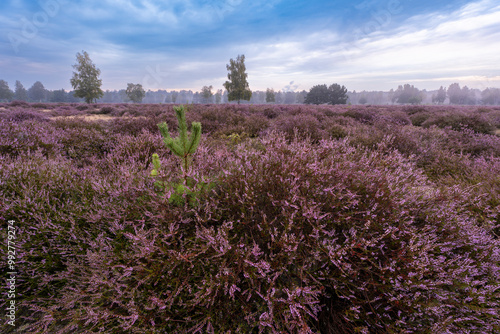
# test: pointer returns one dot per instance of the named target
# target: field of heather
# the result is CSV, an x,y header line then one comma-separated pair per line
x,y
295,219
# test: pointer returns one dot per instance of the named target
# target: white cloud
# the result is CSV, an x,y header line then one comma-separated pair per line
x,y
430,50
434,48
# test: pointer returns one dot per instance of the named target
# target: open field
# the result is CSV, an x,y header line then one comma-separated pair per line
x,y
298,219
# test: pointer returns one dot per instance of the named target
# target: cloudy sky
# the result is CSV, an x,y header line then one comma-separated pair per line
x,y
288,45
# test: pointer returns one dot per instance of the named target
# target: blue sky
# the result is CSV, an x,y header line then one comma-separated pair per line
x,y
288,45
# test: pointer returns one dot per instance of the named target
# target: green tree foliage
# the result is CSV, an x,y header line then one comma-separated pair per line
x,y
338,94
237,86
174,96
135,92
270,95
5,92
37,92
206,93
491,96
85,81
317,95
289,97
21,94
407,94
59,96
440,97
461,96
301,96
218,96
320,94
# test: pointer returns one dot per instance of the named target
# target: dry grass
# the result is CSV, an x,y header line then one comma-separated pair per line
x,y
95,117
87,117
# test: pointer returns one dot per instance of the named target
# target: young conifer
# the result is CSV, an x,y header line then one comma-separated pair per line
x,y
182,146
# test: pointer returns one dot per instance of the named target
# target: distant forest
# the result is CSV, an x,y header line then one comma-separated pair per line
x,y
404,94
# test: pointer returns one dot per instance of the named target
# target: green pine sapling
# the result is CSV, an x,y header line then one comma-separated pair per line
x,y
183,147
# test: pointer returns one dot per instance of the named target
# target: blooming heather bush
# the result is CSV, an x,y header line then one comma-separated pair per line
x,y
341,120
83,143
481,179
270,113
82,107
41,106
19,139
361,114
458,120
494,117
302,124
17,103
331,236
106,110
417,119
19,115
66,110
467,141
393,118
134,125
213,119
59,212
416,109
363,135
255,124
336,131
136,150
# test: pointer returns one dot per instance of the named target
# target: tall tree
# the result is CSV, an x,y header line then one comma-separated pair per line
x,y
135,93
237,86
320,94
337,94
174,96
407,94
461,96
317,95
59,96
85,81
468,96
455,94
301,96
218,96
279,98
289,97
206,93
21,94
270,95
491,96
37,92
440,97
5,92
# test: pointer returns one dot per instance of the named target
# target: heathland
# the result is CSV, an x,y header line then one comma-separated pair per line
x,y
290,219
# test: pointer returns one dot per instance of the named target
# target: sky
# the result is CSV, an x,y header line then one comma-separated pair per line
x,y
288,45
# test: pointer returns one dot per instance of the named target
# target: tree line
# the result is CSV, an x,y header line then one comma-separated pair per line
x,y
408,94
87,87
